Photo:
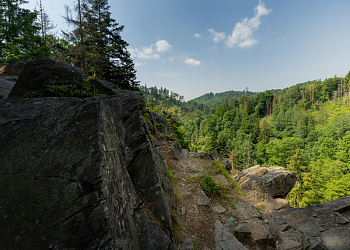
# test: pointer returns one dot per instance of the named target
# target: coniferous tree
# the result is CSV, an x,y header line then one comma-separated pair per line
x,y
102,53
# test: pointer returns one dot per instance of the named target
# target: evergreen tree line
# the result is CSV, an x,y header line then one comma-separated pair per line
x,y
304,128
94,45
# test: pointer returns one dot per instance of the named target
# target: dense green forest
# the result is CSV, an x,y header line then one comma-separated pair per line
x,y
304,128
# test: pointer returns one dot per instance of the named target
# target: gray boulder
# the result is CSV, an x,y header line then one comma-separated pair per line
x,y
82,174
202,199
104,87
5,87
188,245
224,240
201,155
273,181
262,231
44,73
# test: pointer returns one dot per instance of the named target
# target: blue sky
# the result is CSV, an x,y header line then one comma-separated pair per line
x,y
193,47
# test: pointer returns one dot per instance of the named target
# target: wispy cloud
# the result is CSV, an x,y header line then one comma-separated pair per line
x,y
197,35
137,64
192,62
144,52
242,34
217,36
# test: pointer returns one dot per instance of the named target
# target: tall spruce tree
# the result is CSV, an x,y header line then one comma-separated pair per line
x,y
101,50
107,51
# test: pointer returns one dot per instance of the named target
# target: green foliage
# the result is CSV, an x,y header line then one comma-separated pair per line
x,y
97,46
339,127
66,89
196,243
209,186
279,152
19,33
31,94
171,176
337,188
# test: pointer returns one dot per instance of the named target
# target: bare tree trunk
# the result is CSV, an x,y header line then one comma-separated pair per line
x,y
81,37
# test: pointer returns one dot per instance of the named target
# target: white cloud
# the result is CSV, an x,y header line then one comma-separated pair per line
x,y
197,35
162,46
217,36
144,52
243,31
192,62
139,64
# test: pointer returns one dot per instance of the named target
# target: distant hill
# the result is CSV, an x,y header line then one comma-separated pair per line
x,y
214,100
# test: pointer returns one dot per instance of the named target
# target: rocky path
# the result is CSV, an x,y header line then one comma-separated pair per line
x,y
231,221
213,221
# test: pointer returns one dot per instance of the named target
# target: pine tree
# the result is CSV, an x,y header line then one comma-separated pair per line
x,y
98,45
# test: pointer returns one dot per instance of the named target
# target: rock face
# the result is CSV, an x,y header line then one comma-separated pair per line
x,y
262,231
224,240
5,87
272,181
40,74
322,226
12,69
104,87
80,173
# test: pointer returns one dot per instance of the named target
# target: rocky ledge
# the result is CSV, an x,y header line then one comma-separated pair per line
x,y
82,174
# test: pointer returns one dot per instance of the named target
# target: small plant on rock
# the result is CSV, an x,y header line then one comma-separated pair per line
x,y
196,243
209,186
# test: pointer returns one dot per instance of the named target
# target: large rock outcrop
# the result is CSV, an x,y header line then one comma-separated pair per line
x,y
82,174
322,226
273,181
42,74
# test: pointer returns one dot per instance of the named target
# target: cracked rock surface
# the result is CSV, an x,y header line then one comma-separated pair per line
x,y
74,172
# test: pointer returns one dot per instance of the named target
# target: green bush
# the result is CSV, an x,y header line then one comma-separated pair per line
x,y
209,186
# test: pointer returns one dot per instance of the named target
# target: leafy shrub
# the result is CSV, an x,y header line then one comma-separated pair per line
x,y
209,186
